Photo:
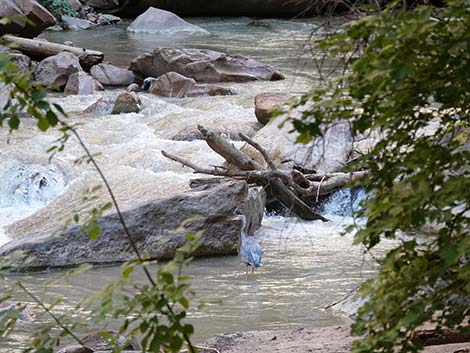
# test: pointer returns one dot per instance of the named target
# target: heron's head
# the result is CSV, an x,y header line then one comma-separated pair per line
x,y
147,82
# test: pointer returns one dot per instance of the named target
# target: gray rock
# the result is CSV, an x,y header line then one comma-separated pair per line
x,y
22,61
4,95
155,21
75,23
55,70
124,102
32,10
110,75
323,155
133,87
82,83
173,84
107,19
266,104
153,228
202,65
55,28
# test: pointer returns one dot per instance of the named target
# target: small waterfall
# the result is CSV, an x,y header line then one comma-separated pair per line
x,y
29,184
344,202
24,188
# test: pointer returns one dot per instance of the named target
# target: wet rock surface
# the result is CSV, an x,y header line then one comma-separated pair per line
x,y
82,83
156,20
56,70
202,65
173,84
267,103
123,102
152,226
322,155
110,75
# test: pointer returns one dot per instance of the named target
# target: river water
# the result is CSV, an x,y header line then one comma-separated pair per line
x,y
307,265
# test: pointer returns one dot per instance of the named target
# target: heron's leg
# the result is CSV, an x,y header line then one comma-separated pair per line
x,y
247,269
252,270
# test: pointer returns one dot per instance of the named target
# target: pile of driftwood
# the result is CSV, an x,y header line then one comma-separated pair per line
x,y
291,188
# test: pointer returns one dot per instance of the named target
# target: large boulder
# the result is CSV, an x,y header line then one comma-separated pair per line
x,y
202,65
55,70
153,226
322,155
160,21
267,103
30,9
110,75
173,84
82,83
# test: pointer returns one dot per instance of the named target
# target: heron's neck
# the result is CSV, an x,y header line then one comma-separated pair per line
x,y
243,217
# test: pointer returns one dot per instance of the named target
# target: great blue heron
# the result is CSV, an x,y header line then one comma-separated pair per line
x,y
250,250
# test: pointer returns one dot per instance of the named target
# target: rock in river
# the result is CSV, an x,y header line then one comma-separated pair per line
x,y
123,102
173,84
203,66
266,104
323,155
37,15
82,83
55,70
152,226
156,21
110,75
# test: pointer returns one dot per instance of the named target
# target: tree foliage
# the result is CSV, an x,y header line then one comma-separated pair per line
x,y
408,87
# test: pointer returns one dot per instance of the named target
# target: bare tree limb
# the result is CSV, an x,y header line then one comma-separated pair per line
x,y
260,149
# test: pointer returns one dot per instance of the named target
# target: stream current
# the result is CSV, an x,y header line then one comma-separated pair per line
x,y
307,265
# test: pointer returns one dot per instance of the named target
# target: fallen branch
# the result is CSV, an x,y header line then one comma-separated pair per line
x,y
40,49
288,188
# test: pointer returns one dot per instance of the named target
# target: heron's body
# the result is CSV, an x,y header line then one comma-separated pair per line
x,y
250,250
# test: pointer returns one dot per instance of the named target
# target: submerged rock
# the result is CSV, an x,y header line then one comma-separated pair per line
x,y
153,228
38,17
75,23
110,75
322,155
203,66
82,83
55,70
266,104
173,84
155,20
124,102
